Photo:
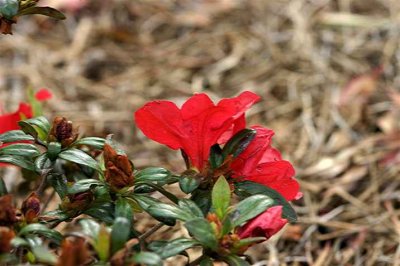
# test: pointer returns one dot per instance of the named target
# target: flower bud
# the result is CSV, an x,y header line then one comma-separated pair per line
x,y
8,215
6,235
74,252
31,208
63,131
119,170
75,203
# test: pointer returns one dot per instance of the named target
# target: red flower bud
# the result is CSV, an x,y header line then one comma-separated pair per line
x,y
74,252
63,131
31,208
119,170
75,203
6,235
8,216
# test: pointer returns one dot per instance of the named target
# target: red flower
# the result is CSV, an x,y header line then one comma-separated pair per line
x,y
10,121
43,95
266,224
263,164
197,126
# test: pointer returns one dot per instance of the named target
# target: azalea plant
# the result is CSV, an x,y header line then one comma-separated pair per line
x,y
237,187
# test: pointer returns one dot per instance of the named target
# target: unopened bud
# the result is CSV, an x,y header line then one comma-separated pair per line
x,y
31,208
6,235
63,131
119,170
8,215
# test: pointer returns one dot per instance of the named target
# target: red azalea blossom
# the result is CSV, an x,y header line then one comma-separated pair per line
x,y
197,126
263,164
43,95
266,224
10,121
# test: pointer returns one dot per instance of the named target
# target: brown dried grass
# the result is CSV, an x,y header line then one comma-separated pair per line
x,y
106,61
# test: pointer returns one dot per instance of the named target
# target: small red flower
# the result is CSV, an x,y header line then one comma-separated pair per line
x,y
43,95
197,126
265,225
263,164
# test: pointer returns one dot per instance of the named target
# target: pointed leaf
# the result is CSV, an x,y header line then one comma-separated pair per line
x,y
15,135
250,208
202,231
80,157
45,11
221,197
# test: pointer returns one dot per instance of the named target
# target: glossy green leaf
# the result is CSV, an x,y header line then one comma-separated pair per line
x,y
102,211
239,142
247,188
190,207
15,135
168,249
53,150
152,174
42,162
202,231
206,261
97,143
249,208
9,8
120,233
84,185
216,158
202,198
3,188
38,127
59,183
188,184
80,157
20,161
234,260
44,255
20,149
90,227
42,230
45,11
221,197
147,258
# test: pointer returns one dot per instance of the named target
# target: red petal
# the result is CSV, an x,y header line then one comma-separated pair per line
x,y
278,176
264,225
10,121
196,105
43,95
248,160
161,121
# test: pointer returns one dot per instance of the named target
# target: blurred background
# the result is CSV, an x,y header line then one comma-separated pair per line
x,y
328,73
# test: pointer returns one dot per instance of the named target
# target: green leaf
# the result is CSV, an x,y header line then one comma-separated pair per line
x,y
221,197
216,158
80,157
206,261
38,127
20,161
188,184
249,241
20,149
42,162
9,8
121,228
3,188
19,242
239,142
97,143
44,255
53,150
247,188
189,206
160,209
202,231
160,189
90,227
152,174
59,183
202,198
102,243
168,249
250,208
41,229
84,185
45,11
147,258
120,233
102,211
15,135
234,260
